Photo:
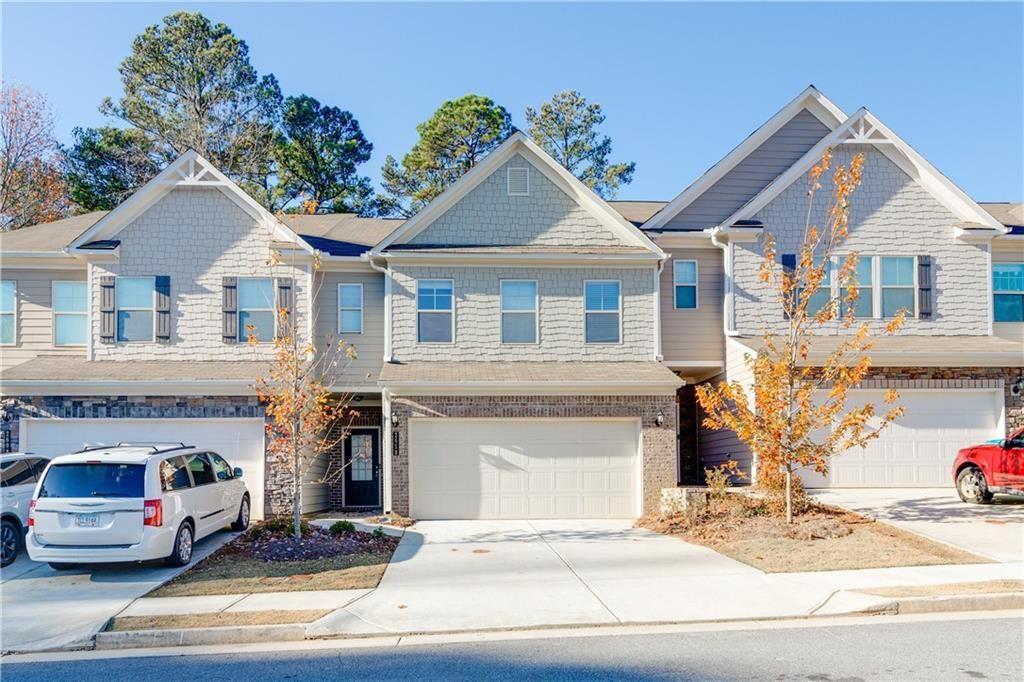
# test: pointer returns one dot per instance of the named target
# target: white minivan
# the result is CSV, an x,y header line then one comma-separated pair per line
x,y
133,502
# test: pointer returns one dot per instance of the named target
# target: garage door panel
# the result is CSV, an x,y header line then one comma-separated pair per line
x,y
918,449
240,441
523,468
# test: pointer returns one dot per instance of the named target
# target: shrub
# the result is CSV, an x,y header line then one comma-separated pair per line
x,y
280,525
719,478
773,484
342,527
378,533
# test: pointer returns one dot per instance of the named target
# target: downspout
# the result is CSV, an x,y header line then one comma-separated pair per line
x,y
657,310
728,321
385,394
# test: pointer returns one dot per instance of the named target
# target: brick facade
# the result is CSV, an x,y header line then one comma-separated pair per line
x,y
659,442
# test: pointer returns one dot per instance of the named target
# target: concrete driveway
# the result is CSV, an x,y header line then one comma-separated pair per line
x,y
41,608
460,575
992,530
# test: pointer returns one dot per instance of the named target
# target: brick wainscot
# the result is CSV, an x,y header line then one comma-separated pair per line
x,y
658,441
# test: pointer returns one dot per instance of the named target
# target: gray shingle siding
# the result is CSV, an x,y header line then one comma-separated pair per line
x,y
753,174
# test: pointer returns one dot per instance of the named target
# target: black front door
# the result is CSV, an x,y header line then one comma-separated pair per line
x,y
362,468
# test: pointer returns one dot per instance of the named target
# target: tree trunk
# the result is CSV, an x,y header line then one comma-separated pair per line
x,y
297,495
789,494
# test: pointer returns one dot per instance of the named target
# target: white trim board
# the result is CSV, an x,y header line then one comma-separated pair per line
x,y
518,143
810,99
188,170
896,150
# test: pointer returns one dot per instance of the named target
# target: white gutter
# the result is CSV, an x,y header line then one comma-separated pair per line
x,y
386,271
657,309
728,321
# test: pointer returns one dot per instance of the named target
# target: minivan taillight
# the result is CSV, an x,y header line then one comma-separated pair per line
x,y
153,513
31,513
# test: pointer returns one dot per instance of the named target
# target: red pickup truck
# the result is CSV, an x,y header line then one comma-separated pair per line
x,y
992,467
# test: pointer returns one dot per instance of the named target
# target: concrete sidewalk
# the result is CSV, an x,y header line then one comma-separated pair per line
x,y
459,576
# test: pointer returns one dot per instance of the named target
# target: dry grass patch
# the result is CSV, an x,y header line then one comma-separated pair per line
x,y
214,620
820,539
946,589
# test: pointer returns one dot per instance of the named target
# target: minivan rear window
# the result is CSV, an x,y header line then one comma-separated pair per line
x,y
94,480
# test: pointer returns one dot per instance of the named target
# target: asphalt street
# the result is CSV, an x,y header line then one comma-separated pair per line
x,y
876,649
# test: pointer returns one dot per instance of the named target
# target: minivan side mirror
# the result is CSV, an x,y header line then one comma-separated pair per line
x,y
238,472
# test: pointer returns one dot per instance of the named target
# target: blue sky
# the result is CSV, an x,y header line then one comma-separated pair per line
x,y
681,84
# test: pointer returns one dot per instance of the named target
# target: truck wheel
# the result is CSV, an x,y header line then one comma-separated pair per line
x,y
972,486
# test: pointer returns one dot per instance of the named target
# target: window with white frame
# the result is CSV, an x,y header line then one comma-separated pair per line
x,y
435,319
1008,292
603,311
897,285
350,308
8,312
820,298
135,308
256,318
864,305
684,277
70,313
518,311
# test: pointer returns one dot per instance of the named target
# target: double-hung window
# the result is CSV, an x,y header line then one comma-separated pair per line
x,y
864,305
256,318
1008,291
8,312
135,308
603,311
897,285
820,298
350,308
684,277
435,319
518,311
70,316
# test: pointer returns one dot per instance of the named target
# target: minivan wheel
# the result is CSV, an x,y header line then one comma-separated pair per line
x,y
182,552
972,487
10,539
242,522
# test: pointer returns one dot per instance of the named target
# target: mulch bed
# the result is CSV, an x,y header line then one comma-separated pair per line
x,y
315,543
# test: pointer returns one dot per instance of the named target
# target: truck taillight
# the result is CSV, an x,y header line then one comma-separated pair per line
x,y
31,513
153,513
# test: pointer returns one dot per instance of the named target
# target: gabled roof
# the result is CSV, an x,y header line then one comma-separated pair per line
x,y
188,170
518,143
864,128
811,99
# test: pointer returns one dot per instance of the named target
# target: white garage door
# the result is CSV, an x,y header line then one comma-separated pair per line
x,y
239,441
523,469
918,449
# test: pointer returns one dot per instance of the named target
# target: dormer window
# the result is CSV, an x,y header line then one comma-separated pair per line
x,y
519,182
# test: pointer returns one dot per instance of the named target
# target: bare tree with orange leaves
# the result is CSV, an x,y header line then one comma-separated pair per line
x,y
305,420
32,188
795,415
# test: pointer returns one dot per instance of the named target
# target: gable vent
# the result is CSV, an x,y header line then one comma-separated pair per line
x,y
519,182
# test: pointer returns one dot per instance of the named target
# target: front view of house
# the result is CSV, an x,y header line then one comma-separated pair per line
x,y
524,348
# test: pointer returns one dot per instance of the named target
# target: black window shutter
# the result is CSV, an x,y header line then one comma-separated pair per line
x,y
925,298
789,267
163,309
108,310
229,309
285,297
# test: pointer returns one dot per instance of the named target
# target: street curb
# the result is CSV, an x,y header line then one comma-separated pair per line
x,y
241,634
954,602
248,634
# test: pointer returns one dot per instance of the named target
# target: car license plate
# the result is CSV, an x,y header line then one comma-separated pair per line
x,y
87,520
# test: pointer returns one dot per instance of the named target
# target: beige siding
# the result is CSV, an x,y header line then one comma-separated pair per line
x,y
365,369
1008,251
315,496
716,447
693,335
35,315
